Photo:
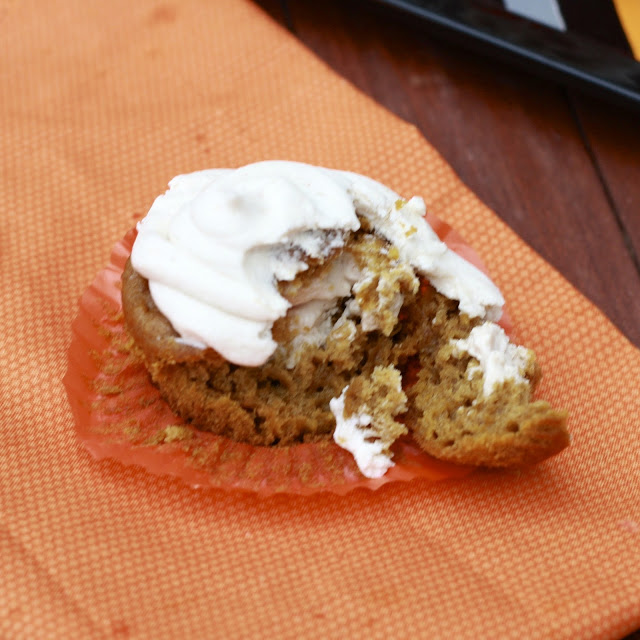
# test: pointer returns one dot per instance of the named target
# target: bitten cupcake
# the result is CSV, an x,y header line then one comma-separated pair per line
x,y
281,303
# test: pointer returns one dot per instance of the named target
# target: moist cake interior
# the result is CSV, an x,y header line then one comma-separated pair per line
x,y
286,400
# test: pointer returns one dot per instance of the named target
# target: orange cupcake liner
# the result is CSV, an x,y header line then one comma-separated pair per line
x,y
121,415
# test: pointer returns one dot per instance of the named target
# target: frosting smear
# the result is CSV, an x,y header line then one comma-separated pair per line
x,y
214,247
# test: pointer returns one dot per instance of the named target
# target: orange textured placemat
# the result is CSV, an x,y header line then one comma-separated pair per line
x,y
102,103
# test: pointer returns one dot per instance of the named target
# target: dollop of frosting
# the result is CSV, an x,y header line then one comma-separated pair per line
x,y
214,246
358,435
497,359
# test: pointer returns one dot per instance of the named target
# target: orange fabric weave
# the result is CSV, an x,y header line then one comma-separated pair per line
x,y
102,103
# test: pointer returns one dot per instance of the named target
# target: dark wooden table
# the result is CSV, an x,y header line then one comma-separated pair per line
x,y
561,168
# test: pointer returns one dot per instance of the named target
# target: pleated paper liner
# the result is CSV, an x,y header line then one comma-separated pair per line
x,y
120,414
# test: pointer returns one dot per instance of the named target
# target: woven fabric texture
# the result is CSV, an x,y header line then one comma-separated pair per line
x,y
102,103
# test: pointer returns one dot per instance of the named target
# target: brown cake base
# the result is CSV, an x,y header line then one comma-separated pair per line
x,y
280,404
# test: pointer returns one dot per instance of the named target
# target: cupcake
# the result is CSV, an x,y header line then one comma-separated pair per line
x,y
282,303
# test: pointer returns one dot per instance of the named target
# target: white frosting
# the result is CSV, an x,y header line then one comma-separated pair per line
x,y
215,244
498,359
313,323
356,435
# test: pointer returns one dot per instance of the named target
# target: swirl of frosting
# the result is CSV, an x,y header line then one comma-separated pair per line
x,y
214,246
